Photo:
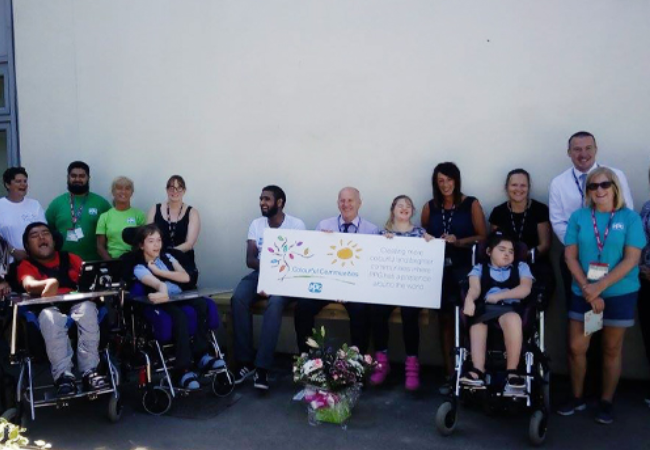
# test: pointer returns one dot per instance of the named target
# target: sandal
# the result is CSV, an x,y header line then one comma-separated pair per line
x,y
189,381
478,380
514,380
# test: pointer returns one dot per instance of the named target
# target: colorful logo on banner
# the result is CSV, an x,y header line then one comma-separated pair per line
x,y
285,254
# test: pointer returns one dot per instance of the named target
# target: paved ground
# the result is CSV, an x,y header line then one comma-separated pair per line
x,y
386,418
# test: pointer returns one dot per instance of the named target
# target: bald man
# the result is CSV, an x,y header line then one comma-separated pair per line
x,y
348,221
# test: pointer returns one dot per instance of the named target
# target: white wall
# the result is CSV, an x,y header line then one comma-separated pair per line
x,y
315,95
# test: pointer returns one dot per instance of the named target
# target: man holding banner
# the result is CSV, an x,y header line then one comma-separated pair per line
x,y
348,221
272,202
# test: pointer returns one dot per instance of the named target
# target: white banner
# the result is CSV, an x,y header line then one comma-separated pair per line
x,y
353,267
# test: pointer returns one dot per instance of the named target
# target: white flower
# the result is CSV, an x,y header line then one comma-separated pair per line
x,y
312,343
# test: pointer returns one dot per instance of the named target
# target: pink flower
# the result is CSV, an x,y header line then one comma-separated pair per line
x,y
318,363
368,359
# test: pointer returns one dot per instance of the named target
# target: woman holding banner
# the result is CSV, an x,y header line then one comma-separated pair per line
x,y
459,220
398,224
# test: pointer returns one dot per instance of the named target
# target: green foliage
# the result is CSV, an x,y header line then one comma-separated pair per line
x,y
11,437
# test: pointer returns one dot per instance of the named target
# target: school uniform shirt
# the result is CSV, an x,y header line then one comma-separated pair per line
x,y
257,227
14,218
113,222
625,229
336,224
140,271
59,216
566,197
501,274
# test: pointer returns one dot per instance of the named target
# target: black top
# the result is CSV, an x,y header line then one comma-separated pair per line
x,y
178,229
504,220
456,221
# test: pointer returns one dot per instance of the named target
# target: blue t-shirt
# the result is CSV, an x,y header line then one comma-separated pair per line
x,y
626,229
140,271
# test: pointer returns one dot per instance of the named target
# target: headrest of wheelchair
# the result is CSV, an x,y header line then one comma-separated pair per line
x,y
129,235
58,238
521,252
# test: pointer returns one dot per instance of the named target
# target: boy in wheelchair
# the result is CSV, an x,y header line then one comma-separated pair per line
x,y
163,276
496,291
47,272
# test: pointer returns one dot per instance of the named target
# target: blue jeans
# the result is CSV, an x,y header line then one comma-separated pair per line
x,y
244,297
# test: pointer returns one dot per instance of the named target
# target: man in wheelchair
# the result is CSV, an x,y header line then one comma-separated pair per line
x,y
47,272
496,289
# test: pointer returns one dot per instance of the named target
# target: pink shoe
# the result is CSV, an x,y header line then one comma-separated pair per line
x,y
382,370
412,369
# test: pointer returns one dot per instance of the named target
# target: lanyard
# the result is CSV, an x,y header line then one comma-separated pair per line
x,y
579,186
344,229
76,217
599,243
519,232
446,224
172,225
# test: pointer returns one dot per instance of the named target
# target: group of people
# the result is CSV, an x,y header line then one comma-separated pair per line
x,y
606,260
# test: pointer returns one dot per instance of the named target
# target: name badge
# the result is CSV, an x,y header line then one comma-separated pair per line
x,y
71,236
593,322
597,271
79,233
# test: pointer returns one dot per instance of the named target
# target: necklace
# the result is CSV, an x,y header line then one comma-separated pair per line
x,y
172,224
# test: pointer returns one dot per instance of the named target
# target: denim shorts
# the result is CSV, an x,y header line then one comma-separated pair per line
x,y
619,310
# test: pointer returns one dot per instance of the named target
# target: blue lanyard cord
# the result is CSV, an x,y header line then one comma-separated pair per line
x,y
344,229
582,193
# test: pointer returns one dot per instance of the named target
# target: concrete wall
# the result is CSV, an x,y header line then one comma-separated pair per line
x,y
315,95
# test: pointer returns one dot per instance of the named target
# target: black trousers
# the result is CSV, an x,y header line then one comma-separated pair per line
x,y
183,348
644,314
379,316
307,309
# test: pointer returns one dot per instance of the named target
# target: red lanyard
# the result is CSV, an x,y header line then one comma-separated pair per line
x,y
599,243
77,216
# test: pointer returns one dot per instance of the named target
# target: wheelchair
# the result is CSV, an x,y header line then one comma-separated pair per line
x,y
534,364
148,349
27,351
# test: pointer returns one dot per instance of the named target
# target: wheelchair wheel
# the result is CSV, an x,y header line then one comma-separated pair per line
x,y
157,401
115,408
223,383
546,392
446,418
537,428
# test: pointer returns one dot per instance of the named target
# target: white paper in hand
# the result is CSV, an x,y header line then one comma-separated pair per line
x,y
593,322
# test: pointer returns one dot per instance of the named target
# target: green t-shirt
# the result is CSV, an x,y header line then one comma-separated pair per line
x,y
113,222
87,208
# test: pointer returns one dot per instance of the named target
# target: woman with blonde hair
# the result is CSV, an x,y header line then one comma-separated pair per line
x,y
110,244
603,245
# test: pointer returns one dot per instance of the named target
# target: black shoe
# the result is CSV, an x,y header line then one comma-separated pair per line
x,y
65,385
246,371
261,380
93,381
571,406
605,414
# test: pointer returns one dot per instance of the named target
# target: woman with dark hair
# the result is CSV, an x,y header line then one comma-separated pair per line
x,y
459,220
527,221
179,223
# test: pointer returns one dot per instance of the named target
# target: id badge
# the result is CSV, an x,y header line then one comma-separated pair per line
x,y
593,322
79,233
71,236
597,271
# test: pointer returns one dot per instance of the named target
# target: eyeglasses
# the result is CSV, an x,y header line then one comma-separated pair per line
x,y
594,186
175,189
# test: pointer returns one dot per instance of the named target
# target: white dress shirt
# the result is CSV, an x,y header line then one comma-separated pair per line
x,y
565,197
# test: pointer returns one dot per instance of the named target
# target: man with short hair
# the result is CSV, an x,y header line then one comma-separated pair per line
x,y
75,213
47,272
272,203
348,221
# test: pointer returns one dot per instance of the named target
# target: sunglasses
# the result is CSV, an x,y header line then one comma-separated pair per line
x,y
594,186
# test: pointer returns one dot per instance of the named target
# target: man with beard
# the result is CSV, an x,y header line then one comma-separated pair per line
x,y
348,221
47,272
75,213
272,203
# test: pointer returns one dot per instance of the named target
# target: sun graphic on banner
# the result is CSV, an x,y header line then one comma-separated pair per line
x,y
345,253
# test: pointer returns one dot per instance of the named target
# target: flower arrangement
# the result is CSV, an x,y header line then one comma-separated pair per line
x,y
332,378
